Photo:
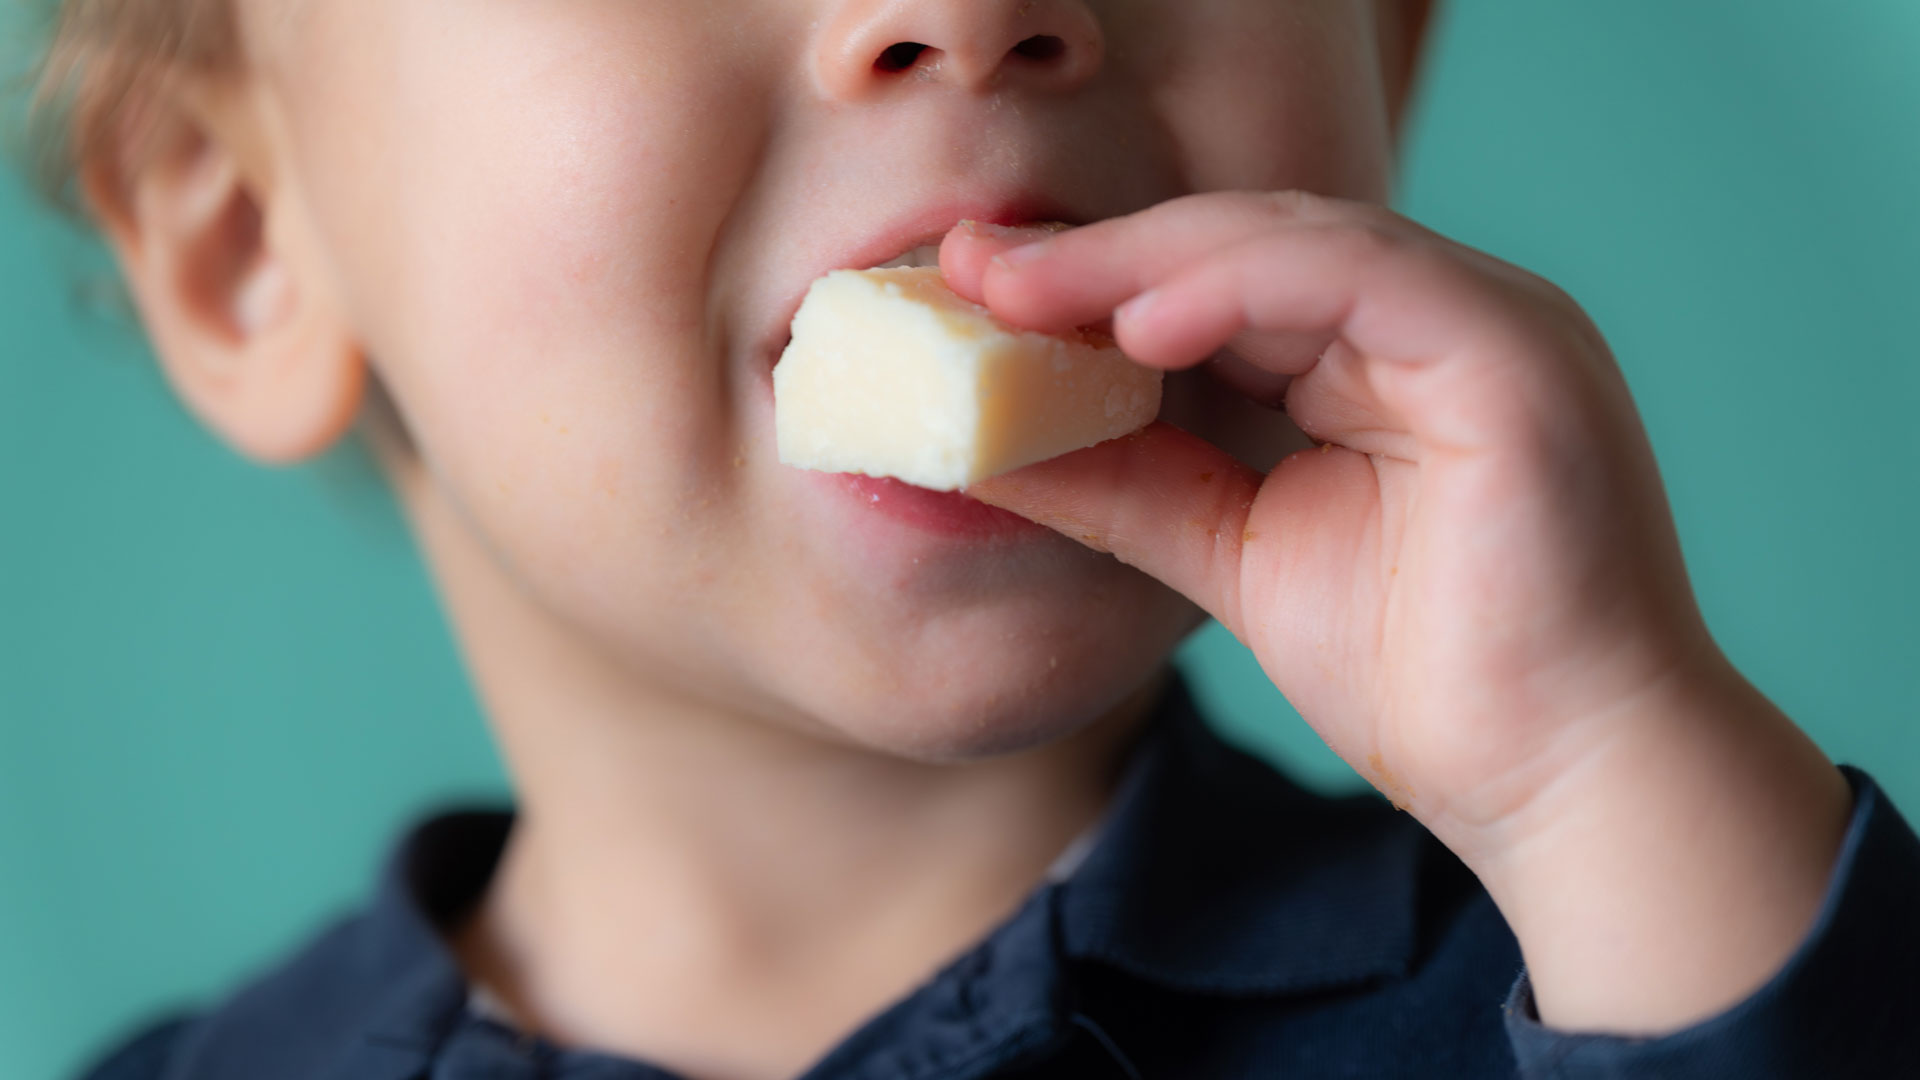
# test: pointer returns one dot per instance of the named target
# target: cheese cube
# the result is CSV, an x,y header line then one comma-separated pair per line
x,y
891,374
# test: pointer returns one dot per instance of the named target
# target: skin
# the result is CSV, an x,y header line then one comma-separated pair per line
x,y
562,240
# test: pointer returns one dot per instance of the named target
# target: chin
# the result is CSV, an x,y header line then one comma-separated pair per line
x,y
980,692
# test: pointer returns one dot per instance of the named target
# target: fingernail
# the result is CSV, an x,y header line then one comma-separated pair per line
x,y
1021,256
1138,307
1025,233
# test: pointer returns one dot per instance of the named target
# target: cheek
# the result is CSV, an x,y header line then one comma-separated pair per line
x,y
558,216
1272,96
520,219
522,215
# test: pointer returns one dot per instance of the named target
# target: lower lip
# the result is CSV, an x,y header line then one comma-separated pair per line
x,y
944,513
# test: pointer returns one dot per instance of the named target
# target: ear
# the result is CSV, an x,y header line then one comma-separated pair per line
x,y
222,266
1404,27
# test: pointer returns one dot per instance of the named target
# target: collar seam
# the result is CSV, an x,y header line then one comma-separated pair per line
x,y
1261,984
1034,1029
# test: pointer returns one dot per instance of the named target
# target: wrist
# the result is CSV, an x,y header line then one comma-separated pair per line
x,y
1674,864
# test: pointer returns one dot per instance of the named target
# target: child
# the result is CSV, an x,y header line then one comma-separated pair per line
x,y
833,777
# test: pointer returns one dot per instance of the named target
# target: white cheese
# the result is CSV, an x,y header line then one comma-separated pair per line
x,y
891,374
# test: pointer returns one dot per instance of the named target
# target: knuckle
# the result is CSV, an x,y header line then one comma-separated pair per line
x,y
1569,309
1550,309
1374,241
1564,317
1376,216
1359,215
1289,204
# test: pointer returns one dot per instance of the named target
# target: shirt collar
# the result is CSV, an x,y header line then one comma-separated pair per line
x,y
1217,874
1210,874
432,879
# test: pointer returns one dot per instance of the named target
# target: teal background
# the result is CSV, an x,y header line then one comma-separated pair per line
x,y
222,688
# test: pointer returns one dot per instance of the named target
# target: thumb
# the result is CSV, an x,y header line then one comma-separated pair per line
x,y
1162,500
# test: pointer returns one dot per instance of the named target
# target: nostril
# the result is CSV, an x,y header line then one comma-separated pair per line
x,y
899,56
1041,47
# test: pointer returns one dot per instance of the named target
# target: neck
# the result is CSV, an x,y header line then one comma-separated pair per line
x,y
717,894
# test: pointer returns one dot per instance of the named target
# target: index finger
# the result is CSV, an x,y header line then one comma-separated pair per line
x,y
971,246
1078,278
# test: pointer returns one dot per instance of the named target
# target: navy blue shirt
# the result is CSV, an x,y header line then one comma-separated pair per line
x,y
1227,925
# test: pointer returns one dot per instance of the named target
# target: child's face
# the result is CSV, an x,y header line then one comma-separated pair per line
x,y
569,235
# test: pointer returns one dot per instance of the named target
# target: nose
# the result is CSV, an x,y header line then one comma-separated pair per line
x,y
868,48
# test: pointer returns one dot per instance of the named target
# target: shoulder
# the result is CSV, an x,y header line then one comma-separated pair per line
x,y
351,997
145,1056
277,1024
363,998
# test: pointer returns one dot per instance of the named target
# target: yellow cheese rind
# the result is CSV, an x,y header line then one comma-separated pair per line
x,y
891,374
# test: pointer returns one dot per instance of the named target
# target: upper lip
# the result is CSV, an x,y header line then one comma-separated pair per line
x,y
921,225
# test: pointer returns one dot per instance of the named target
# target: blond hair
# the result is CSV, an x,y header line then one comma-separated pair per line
x,y
97,112
94,110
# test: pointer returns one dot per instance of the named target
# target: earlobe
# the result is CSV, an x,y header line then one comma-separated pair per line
x,y
219,266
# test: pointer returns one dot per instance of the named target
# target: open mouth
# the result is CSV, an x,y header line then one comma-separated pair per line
x,y
921,237
948,512
922,256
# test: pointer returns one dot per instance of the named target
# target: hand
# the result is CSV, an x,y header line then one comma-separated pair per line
x,y
1472,589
